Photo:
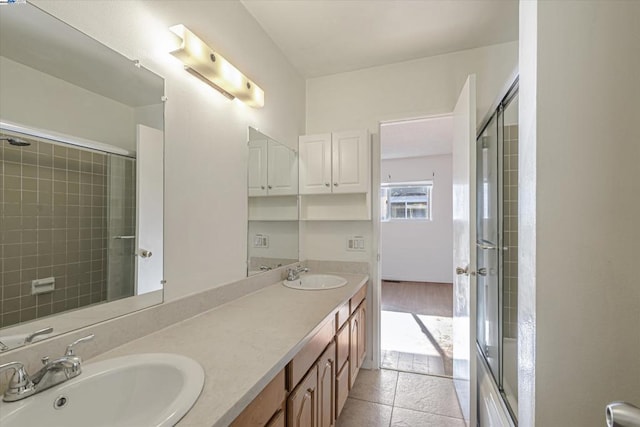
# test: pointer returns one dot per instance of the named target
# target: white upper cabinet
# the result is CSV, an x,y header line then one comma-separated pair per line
x,y
273,169
282,170
257,168
315,163
335,163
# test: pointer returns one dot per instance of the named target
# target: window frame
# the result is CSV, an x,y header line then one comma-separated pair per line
x,y
386,206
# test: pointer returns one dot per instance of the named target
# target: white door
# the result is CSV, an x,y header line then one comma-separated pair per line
x,y
150,203
350,162
464,233
315,163
257,178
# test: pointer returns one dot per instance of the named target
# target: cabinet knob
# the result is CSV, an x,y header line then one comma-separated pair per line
x,y
262,187
335,184
326,184
270,187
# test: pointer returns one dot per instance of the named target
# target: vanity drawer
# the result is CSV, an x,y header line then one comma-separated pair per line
x,y
278,419
342,315
265,405
300,364
357,298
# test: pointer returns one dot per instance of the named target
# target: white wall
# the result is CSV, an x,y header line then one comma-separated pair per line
x,y
205,134
31,97
420,251
419,88
579,209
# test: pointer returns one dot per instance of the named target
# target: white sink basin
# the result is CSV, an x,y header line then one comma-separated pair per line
x,y
316,282
139,390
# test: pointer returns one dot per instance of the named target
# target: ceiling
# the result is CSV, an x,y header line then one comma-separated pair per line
x,y
430,136
322,37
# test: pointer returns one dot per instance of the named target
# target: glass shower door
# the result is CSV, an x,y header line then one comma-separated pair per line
x,y
489,313
497,247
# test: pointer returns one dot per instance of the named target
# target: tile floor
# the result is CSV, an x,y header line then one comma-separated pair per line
x,y
401,399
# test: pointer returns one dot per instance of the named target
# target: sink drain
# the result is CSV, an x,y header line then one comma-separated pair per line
x,y
60,402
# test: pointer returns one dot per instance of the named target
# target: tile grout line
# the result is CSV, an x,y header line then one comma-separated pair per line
x,y
395,393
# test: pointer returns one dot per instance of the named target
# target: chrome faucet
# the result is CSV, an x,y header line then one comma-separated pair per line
x,y
52,373
294,273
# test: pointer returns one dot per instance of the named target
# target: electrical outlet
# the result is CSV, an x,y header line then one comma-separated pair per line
x,y
355,243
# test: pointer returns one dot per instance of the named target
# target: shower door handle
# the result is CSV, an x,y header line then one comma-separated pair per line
x,y
485,244
622,414
143,253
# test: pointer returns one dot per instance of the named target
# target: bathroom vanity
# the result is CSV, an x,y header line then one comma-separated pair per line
x,y
277,356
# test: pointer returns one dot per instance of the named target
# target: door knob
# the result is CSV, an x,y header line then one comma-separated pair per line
x,y
143,253
465,271
460,271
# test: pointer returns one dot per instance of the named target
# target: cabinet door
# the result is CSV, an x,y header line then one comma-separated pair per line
x,y
362,333
302,404
327,387
315,164
282,173
257,179
351,164
342,388
354,337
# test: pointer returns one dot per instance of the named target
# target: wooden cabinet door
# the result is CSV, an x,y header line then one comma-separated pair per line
x,y
315,164
282,174
351,164
342,350
270,401
327,387
354,337
302,404
257,168
362,334
342,388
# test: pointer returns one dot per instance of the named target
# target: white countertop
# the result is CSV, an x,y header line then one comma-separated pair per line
x,y
243,344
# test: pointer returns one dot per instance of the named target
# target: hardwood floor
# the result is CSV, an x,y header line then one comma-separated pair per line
x,y
434,299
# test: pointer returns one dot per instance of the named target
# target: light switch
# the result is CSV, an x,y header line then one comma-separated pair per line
x,y
261,241
355,243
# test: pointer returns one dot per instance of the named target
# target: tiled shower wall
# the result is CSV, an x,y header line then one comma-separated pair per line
x,y
53,224
510,226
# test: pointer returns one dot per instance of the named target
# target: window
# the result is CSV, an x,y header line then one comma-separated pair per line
x,y
405,201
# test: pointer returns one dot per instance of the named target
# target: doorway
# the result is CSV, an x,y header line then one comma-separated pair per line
x,y
416,245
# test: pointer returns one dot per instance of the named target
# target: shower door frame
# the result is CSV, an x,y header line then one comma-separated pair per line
x,y
498,113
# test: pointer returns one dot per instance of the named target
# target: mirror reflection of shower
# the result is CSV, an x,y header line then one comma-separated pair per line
x,y
69,227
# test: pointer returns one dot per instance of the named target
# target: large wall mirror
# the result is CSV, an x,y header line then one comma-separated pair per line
x,y
81,182
273,204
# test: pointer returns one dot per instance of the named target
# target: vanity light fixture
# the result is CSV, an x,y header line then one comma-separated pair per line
x,y
212,68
